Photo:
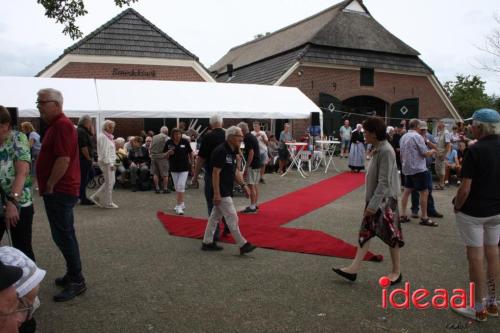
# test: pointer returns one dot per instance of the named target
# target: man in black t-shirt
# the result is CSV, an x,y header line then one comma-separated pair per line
x,y
224,174
252,155
86,149
477,208
210,141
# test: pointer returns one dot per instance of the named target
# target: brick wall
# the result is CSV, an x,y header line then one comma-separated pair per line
x,y
344,84
142,72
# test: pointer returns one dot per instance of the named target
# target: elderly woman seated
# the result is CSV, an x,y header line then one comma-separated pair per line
x,y
452,163
139,160
122,164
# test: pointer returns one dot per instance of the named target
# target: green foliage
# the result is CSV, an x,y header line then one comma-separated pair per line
x,y
66,12
468,94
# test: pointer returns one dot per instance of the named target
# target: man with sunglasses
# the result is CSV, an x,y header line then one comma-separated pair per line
x,y
58,173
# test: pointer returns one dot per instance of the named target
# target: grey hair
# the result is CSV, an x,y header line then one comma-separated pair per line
x,y
414,124
83,119
106,123
233,130
244,127
164,130
487,128
215,119
120,141
53,94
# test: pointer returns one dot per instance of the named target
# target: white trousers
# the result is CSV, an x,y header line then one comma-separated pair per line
x,y
180,179
104,193
226,209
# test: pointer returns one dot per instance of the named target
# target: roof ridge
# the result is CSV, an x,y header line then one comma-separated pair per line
x,y
341,4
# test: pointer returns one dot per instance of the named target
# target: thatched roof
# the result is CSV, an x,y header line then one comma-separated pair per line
x,y
129,34
335,27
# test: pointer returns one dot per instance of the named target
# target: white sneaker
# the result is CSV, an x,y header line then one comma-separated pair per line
x,y
113,205
96,201
183,206
179,210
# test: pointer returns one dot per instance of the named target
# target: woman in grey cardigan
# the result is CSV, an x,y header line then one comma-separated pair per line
x,y
381,213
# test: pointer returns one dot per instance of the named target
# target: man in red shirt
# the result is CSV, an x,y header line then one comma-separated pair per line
x,y
58,172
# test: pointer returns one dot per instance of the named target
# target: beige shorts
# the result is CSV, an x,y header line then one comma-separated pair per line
x,y
159,166
478,231
440,167
253,176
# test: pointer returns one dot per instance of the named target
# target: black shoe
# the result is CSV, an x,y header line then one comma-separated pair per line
x,y
398,280
62,281
247,248
349,276
87,202
71,290
211,247
166,191
437,215
249,210
157,190
262,181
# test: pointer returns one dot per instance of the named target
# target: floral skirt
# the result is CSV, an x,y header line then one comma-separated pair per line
x,y
384,224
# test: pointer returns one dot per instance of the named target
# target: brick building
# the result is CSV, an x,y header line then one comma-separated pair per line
x,y
129,47
347,63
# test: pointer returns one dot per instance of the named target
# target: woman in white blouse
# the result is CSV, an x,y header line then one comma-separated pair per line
x,y
106,153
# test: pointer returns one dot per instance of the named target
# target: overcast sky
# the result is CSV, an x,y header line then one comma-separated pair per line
x,y
445,32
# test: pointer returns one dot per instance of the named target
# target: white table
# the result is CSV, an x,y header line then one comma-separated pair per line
x,y
295,148
327,148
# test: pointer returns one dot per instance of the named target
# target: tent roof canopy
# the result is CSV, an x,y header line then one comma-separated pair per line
x,y
159,99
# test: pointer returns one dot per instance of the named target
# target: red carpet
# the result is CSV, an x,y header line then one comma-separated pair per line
x,y
265,228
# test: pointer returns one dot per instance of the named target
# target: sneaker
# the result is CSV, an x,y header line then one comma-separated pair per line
x,y
211,247
62,281
247,248
113,205
492,310
472,314
179,210
249,210
437,215
183,206
96,201
71,290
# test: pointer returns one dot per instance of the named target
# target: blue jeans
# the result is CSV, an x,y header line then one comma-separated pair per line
x,y
59,209
415,198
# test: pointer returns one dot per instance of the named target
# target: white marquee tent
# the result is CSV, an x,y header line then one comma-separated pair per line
x,y
158,99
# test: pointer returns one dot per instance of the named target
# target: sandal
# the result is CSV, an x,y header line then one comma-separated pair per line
x,y
439,187
428,222
404,219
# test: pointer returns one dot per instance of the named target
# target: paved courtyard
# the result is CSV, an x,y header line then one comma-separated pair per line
x,y
141,279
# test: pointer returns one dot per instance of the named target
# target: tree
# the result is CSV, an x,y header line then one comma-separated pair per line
x,y
66,12
468,94
492,49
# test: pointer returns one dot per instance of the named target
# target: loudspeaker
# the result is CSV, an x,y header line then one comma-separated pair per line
x,y
314,118
14,117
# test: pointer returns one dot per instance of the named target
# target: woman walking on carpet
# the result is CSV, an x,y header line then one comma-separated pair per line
x,y
381,213
357,151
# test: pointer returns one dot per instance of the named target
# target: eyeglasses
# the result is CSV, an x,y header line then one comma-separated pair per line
x,y
44,102
23,308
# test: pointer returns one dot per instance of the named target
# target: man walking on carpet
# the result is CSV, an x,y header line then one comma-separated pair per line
x,y
224,174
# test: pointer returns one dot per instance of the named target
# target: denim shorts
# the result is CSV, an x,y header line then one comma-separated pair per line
x,y
417,181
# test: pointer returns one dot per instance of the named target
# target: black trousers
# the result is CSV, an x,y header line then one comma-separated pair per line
x,y
85,172
21,233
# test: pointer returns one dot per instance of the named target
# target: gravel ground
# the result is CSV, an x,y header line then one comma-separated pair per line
x,y
141,279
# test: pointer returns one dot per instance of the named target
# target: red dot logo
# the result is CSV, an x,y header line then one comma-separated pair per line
x,y
384,282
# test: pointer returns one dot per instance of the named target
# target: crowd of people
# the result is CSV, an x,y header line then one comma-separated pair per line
x,y
406,156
